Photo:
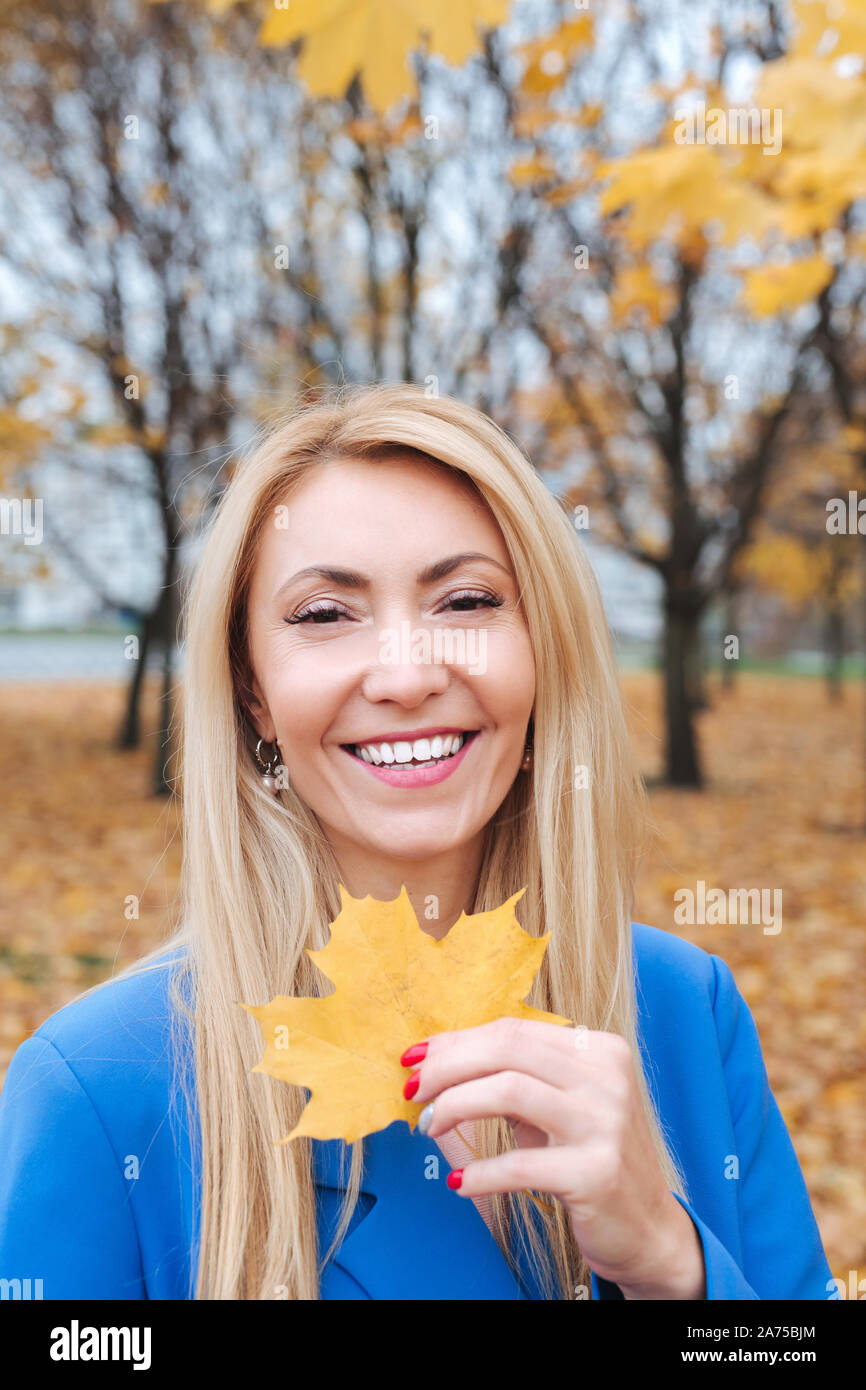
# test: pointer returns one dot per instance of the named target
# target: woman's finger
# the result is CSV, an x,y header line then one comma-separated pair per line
x,y
558,1169
558,1056
514,1093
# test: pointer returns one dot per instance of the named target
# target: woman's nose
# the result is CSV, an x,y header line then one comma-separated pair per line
x,y
405,667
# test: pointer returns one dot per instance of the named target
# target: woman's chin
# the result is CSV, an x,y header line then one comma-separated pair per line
x,y
418,847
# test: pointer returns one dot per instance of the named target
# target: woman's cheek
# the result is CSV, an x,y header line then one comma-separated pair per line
x,y
507,683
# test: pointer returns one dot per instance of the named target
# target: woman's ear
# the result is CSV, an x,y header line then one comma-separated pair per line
x,y
257,710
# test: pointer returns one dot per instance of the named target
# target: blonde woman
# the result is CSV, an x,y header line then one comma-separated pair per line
x,y
133,1131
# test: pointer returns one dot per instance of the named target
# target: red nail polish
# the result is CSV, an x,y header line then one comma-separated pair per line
x,y
412,1085
416,1053
455,1178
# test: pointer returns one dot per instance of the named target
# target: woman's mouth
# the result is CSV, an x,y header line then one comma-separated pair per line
x,y
419,762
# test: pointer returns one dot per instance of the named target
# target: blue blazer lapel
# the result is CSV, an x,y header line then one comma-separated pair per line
x,y
418,1240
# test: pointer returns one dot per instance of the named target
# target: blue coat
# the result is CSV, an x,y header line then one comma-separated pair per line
x,y
98,1178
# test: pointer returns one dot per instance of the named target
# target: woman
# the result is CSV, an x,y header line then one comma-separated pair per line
x,y
319,752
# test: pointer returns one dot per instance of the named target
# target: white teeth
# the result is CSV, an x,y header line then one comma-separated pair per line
x,y
424,752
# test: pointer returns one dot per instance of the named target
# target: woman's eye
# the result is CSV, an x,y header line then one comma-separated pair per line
x,y
319,613
468,599
463,602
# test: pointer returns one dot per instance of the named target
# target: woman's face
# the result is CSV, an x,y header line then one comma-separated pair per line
x,y
391,660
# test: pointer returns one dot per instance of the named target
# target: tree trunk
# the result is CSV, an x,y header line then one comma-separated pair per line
x,y
166,635
130,730
731,621
834,623
162,783
680,636
695,671
834,648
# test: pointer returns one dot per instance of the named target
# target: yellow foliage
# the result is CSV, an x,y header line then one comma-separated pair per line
x,y
809,215
675,190
367,130
375,37
784,564
636,288
835,27
395,985
591,114
20,442
798,184
156,194
821,110
533,170
853,437
561,193
776,289
110,435
548,58
154,437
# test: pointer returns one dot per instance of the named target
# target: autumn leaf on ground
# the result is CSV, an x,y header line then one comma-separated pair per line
x,y
376,37
394,985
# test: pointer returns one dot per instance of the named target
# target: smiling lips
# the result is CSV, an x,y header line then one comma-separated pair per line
x,y
419,761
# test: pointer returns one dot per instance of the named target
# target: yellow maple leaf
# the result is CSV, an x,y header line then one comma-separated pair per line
x,y
548,58
677,190
637,289
533,170
394,985
822,109
775,289
559,194
375,37
834,27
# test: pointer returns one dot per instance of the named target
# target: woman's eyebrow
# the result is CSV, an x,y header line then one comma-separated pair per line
x,y
352,579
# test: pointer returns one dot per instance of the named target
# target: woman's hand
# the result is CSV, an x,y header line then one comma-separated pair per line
x,y
572,1099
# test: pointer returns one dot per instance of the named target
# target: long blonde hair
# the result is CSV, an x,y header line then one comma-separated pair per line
x,y
260,883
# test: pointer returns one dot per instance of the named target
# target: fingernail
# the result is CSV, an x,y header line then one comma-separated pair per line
x,y
412,1084
425,1119
416,1053
455,1177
